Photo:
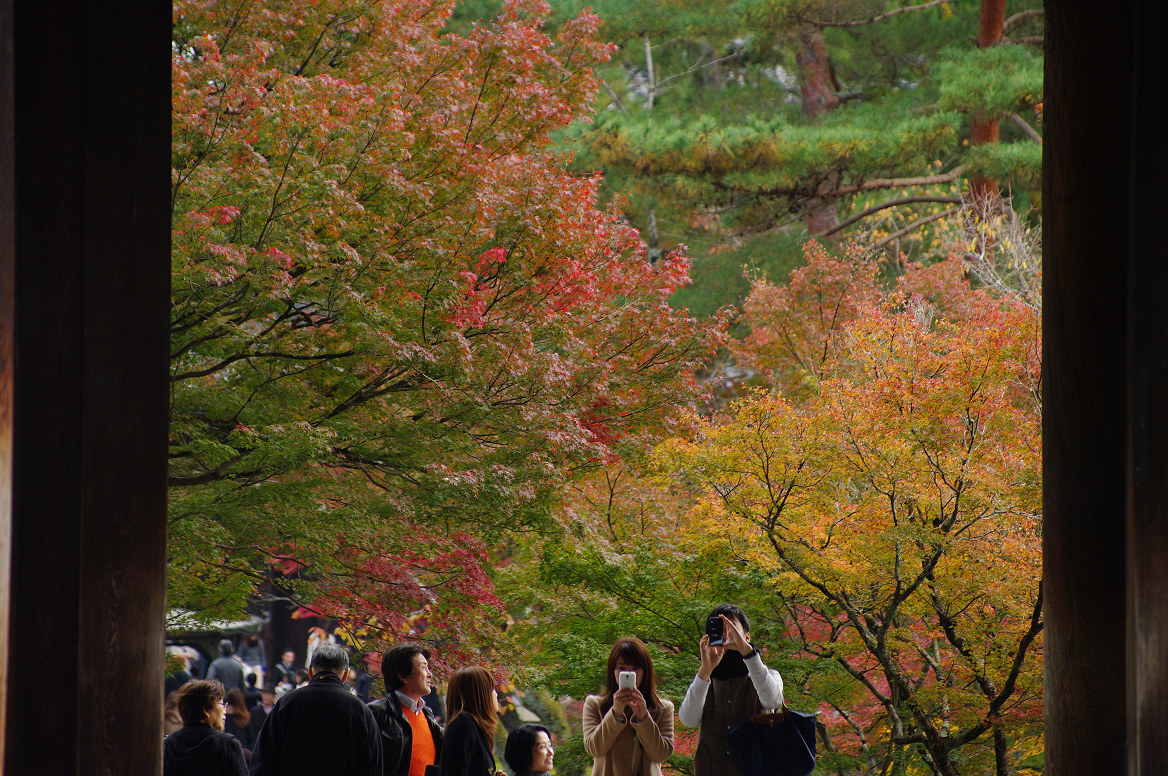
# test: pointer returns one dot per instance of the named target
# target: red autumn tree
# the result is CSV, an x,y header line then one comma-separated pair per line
x,y
397,320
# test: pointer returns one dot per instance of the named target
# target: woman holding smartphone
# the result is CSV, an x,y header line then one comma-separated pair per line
x,y
629,729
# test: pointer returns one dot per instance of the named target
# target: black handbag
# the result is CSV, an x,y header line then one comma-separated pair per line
x,y
774,743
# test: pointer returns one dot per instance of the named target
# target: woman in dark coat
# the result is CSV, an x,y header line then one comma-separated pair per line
x,y
473,710
201,748
238,722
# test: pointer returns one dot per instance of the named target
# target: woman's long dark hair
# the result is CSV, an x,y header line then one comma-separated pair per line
x,y
469,692
632,651
241,715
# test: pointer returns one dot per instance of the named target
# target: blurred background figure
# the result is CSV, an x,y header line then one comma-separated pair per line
x,y
171,721
285,670
227,668
251,693
180,676
238,722
251,652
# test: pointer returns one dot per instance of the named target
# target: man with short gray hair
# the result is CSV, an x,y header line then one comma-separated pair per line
x,y
320,727
226,668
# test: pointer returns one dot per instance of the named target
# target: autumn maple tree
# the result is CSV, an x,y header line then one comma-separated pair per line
x,y
889,485
398,322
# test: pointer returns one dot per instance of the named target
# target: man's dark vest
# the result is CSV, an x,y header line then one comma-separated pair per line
x,y
728,702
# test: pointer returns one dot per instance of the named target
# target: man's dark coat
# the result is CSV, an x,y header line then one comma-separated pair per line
x,y
397,737
320,728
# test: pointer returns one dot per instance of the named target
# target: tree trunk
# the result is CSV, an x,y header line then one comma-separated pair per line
x,y
649,70
818,97
984,190
1001,751
820,214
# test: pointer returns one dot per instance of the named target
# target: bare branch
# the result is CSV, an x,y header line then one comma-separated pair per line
x,y
880,17
915,225
892,183
883,206
694,69
1020,16
615,100
1030,131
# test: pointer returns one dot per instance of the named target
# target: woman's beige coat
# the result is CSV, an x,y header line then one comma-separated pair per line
x,y
622,748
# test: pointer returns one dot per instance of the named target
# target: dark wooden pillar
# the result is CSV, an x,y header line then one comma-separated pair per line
x,y
1147,525
7,329
85,268
1105,344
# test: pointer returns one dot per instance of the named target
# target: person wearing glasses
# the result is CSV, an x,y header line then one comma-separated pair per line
x,y
200,747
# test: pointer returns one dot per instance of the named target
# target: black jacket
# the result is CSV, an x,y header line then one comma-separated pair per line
x,y
397,737
200,750
320,728
464,750
245,735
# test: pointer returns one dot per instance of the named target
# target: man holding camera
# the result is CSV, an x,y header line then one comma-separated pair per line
x,y
731,679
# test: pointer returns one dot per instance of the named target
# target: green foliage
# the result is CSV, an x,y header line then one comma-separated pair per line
x,y
1019,162
399,323
724,155
989,83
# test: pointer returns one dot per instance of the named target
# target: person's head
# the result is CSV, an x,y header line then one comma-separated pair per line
x,y
631,654
288,658
268,693
732,612
406,667
529,750
732,664
171,707
237,707
329,658
226,648
200,702
471,691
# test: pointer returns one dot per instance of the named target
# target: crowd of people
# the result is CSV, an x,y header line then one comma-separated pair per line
x,y
323,726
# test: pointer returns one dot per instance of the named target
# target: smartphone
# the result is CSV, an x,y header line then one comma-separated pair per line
x,y
626,680
714,630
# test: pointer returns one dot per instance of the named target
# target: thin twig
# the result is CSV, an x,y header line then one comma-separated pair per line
x,y
880,17
915,224
884,205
